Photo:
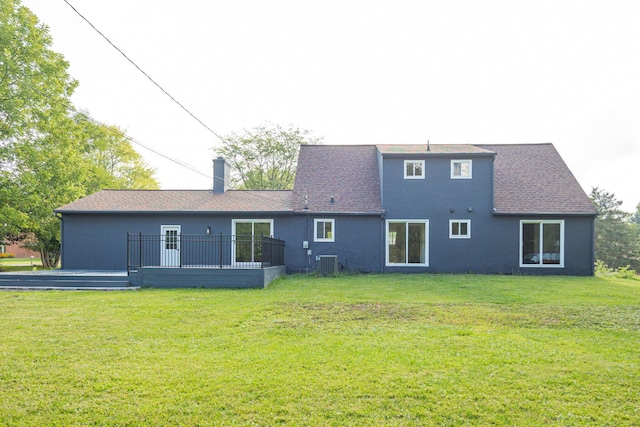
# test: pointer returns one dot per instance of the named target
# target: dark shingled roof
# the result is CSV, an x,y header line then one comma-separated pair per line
x,y
349,173
533,178
182,201
529,179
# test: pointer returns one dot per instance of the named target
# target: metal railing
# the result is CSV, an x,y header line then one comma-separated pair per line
x,y
203,251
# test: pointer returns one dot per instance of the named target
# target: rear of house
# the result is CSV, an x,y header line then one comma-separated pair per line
x,y
368,208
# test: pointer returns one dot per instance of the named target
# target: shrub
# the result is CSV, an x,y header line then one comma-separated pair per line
x,y
7,255
626,273
601,268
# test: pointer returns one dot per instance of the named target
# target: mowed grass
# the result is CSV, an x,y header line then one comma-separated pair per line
x,y
392,350
20,264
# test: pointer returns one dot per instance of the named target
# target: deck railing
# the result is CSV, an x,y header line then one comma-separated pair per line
x,y
203,251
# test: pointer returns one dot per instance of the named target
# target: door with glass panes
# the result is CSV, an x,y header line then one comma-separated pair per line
x,y
170,246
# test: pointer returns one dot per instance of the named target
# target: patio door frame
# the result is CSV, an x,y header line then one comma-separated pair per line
x,y
234,223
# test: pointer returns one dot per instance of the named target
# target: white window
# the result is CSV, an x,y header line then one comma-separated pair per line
x,y
459,228
414,169
324,230
542,243
407,243
461,169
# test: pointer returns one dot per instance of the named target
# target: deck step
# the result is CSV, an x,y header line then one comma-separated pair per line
x,y
62,283
60,279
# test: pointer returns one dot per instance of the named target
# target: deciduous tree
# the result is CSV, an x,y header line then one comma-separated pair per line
x,y
49,154
265,158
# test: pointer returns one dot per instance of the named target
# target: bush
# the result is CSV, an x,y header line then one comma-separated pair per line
x,y
626,272
601,268
7,255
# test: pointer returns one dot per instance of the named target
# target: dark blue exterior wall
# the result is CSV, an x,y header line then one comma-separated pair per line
x,y
356,242
494,246
99,241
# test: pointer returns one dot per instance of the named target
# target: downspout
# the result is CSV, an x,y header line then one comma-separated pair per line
x,y
593,245
382,246
59,216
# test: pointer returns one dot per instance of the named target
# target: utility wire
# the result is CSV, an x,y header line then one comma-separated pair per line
x,y
115,130
145,74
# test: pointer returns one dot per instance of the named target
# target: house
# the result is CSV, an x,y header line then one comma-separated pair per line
x,y
512,209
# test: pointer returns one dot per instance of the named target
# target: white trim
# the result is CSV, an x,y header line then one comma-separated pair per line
x,y
421,162
426,242
460,236
315,230
541,243
454,161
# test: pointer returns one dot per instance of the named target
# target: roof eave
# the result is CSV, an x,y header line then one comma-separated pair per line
x,y
163,212
431,154
349,213
499,213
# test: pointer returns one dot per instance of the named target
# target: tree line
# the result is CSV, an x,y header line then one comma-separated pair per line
x,y
50,153
617,233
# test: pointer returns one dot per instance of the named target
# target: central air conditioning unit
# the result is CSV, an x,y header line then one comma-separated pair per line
x,y
328,265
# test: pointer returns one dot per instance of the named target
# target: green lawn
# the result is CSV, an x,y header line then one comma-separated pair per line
x,y
381,350
20,264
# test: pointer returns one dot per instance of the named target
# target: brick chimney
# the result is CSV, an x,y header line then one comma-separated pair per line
x,y
221,175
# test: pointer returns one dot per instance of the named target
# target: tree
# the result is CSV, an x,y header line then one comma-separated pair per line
x,y
636,215
616,236
265,158
49,154
34,82
115,163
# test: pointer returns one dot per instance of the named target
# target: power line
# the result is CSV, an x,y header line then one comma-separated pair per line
x,y
115,130
145,74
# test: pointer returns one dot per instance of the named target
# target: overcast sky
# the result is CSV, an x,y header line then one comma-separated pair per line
x,y
364,72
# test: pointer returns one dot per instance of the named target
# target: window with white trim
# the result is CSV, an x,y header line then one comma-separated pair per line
x,y
459,228
324,230
461,169
414,169
542,243
407,243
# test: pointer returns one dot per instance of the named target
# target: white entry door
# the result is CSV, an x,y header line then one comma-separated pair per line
x,y
170,246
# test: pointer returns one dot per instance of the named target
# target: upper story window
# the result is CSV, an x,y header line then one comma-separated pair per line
x,y
324,230
414,169
461,169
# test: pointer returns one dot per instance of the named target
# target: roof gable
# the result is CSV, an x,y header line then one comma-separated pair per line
x,y
337,178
